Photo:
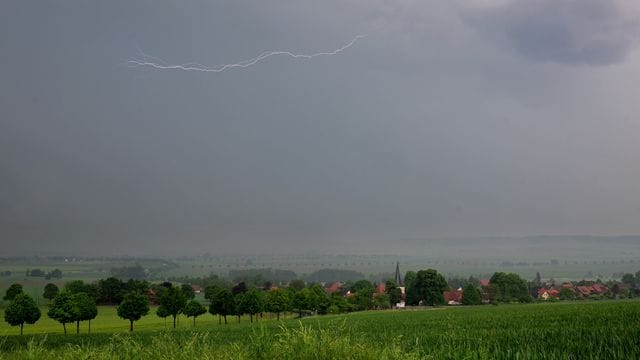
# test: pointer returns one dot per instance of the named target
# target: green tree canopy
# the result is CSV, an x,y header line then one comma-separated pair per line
x,y
194,309
277,301
317,299
111,291
412,296
471,295
174,301
50,291
22,309
511,287
13,291
393,291
362,285
188,292
133,306
252,303
79,286
629,279
297,284
221,302
363,299
300,301
62,309
566,294
84,308
381,301
429,286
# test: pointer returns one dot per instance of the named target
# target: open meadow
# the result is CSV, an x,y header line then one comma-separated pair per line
x,y
569,330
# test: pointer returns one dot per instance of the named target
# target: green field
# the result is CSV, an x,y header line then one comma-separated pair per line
x,y
591,330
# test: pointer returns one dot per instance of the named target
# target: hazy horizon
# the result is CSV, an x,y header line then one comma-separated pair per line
x,y
450,119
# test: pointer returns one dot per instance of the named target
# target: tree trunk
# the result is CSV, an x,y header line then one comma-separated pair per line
x,y
78,327
239,319
225,319
174,321
131,326
64,326
21,325
278,315
251,317
220,319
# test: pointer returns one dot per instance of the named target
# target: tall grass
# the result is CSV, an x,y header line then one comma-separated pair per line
x,y
302,342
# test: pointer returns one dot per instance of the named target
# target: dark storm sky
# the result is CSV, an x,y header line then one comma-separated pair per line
x,y
451,118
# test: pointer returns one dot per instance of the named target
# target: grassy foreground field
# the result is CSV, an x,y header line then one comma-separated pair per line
x,y
582,330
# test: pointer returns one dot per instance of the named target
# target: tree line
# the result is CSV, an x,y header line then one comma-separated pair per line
x,y
77,301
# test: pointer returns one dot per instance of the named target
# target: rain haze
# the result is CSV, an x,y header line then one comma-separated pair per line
x,y
450,119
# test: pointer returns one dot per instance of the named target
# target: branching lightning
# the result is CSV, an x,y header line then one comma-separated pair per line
x,y
154,62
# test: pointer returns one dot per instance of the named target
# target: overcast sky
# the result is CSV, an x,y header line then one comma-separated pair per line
x,y
451,118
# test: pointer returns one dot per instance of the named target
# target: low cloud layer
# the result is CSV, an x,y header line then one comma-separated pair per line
x,y
574,32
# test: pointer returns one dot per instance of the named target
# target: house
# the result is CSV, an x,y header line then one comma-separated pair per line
x,y
333,288
546,294
196,289
484,282
595,289
453,297
380,289
599,289
584,290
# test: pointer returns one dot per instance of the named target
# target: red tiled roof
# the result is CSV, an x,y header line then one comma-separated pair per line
x,y
541,291
584,290
599,289
334,287
484,282
380,289
453,296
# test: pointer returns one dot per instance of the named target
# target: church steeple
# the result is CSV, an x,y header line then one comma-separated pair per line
x,y
398,276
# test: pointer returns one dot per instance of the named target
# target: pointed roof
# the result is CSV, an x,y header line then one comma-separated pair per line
x,y
398,277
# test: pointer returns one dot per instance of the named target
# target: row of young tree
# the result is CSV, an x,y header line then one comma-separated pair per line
x,y
66,307
76,303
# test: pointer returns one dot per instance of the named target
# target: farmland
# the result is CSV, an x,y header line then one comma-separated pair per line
x,y
585,329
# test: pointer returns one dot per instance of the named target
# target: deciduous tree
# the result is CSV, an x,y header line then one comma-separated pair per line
x,y
251,303
13,291
221,302
194,309
430,286
471,295
278,301
173,300
50,291
22,309
84,308
133,307
188,292
62,309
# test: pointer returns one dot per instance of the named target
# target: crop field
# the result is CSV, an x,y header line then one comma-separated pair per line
x,y
572,330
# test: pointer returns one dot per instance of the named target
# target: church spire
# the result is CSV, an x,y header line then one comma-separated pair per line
x,y
398,276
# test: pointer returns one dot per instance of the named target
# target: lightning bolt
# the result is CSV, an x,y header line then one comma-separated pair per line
x,y
154,62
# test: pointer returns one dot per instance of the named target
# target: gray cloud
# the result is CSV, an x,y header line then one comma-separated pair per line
x,y
576,32
421,130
